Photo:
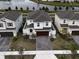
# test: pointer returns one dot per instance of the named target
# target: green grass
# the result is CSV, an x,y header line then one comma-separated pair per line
x,y
63,44
21,42
19,57
67,56
58,3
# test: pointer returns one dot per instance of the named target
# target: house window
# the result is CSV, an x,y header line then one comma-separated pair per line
x,y
46,23
38,24
1,24
31,30
10,24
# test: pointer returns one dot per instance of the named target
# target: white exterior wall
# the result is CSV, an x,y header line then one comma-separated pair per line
x,y
41,25
9,21
5,23
4,26
27,31
29,22
57,22
49,24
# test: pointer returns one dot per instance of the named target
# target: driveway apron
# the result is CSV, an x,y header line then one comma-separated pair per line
x,y
43,43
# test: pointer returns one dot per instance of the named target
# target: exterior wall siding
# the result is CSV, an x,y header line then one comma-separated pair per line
x,y
18,23
41,25
57,22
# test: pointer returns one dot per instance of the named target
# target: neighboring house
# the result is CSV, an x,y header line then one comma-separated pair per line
x,y
39,23
10,22
68,22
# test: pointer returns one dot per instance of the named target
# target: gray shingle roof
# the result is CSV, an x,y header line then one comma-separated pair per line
x,y
68,15
12,15
39,16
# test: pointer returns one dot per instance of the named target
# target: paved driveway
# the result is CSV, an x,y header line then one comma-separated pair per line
x,y
76,39
43,43
4,43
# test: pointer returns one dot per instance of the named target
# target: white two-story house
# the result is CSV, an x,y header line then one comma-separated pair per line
x,y
68,21
10,22
39,23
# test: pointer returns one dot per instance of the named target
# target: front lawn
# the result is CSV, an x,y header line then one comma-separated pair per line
x,y
21,42
20,57
64,44
64,56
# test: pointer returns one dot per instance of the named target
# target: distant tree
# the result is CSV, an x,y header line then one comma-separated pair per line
x,y
16,8
55,8
6,9
60,8
33,8
9,8
21,9
47,9
27,8
43,8
67,7
72,8
40,9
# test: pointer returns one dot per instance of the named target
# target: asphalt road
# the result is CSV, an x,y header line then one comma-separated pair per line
x,y
4,43
43,43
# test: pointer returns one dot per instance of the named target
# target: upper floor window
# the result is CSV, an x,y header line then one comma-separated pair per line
x,y
38,24
10,24
46,23
1,24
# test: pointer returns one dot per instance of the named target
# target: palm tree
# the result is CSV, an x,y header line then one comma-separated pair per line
x,y
47,9
43,8
72,8
21,9
33,8
40,9
55,8
9,8
27,8
16,8
60,8
67,7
